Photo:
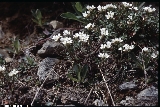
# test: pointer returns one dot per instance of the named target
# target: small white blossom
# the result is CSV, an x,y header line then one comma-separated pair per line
x,y
103,55
2,68
135,8
117,40
83,38
90,7
145,49
66,32
127,47
13,72
153,55
103,46
104,31
149,9
101,8
110,6
130,17
126,4
66,40
89,25
86,13
110,15
120,48
76,35
56,37
108,44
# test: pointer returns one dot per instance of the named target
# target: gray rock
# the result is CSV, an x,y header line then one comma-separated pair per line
x,y
127,86
51,47
147,97
129,101
45,66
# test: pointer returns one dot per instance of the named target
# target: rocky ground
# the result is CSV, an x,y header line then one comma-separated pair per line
x,y
30,86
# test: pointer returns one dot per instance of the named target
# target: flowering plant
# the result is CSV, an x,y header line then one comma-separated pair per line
x,y
113,36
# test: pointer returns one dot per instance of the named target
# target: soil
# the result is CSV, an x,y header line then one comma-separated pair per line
x,y
16,21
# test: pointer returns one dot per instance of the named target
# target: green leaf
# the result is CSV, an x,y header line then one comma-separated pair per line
x,y
73,79
84,72
17,46
69,15
79,76
38,14
78,6
33,13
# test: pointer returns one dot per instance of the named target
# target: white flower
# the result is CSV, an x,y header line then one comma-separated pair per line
x,y
153,55
108,44
99,8
103,55
66,40
13,72
90,7
127,47
135,8
149,9
86,13
110,6
2,68
126,4
120,48
131,47
110,15
145,49
83,37
56,37
66,32
103,46
104,31
89,25
130,17
116,40
76,35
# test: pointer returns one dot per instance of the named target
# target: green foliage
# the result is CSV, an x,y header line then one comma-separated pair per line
x,y
37,17
80,72
78,9
16,46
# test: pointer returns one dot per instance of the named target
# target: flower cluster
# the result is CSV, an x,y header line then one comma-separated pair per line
x,y
66,40
149,9
56,37
110,15
103,55
90,7
104,31
89,25
2,68
86,13
145,49
154,55
103,8
66,32
117,40
107,45
126,47
13,72
126,4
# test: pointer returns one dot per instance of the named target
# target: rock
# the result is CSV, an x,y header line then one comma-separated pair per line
x,y
50,48
45,66
147,97
127,85
56,24
129,101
